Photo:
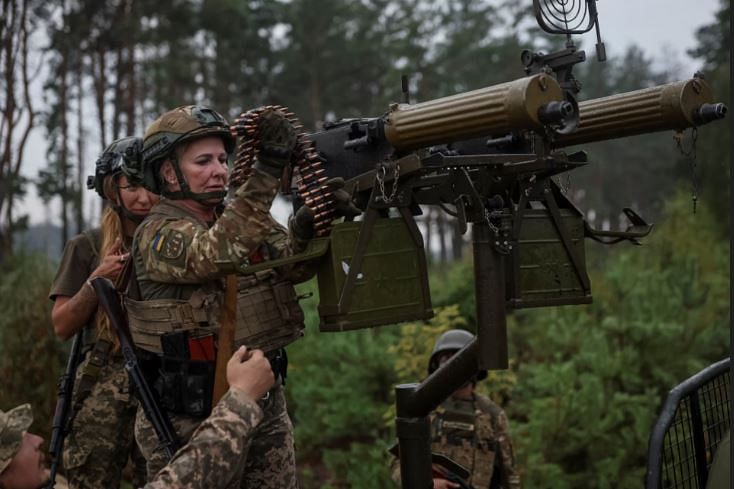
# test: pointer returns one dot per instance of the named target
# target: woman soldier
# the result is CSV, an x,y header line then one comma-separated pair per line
x,y
101,438
184,249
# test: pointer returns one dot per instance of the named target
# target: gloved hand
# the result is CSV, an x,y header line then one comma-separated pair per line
x,y
344,207
302,223
276,142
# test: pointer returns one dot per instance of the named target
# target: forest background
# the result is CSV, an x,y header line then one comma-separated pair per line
x,y
585,382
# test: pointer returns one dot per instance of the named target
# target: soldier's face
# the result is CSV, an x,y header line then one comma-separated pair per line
x,y
27,470
204,165
134,198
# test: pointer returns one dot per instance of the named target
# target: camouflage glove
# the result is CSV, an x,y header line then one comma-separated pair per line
x,y
344,207
276,142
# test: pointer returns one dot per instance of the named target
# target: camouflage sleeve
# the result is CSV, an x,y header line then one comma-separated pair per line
x,y
283,243
508,454
210,456
183,251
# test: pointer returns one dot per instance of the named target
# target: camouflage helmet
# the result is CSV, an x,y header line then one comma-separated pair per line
x,y
121,157
451,341
13,427
176,126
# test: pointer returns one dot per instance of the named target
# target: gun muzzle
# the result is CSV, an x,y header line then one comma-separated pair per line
x,y
555,112
529,103
709,113
673,106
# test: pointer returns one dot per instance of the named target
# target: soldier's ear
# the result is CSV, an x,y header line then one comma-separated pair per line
x,y
168,175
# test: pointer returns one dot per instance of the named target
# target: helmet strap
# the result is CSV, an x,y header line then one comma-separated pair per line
x,y
123,211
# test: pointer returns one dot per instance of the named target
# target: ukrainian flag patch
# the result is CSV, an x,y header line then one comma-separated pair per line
x,y
158,242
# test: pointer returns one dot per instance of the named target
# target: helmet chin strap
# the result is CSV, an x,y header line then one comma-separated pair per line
x,y
186,193
123,211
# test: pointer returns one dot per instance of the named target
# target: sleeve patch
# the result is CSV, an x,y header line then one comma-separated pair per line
x,y
169,245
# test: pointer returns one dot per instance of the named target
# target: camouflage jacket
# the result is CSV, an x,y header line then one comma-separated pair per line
x,y
474,433
173,247
205,460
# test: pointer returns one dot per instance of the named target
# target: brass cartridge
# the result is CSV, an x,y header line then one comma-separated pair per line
x,y
489,111
674,106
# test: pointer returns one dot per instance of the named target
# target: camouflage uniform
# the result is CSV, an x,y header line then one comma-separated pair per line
x,y
474,433
100,440
211,458
13,426
179,263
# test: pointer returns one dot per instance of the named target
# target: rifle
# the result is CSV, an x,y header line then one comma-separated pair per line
x,y
109,301
63,405
445,468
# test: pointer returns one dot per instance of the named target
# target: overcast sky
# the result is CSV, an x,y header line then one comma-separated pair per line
x,y
657,26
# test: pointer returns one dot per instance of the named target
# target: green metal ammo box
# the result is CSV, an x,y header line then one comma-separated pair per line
x,y
540,271
391,284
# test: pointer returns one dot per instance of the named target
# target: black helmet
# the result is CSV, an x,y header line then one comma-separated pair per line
x,y
176,126
451,341
123,157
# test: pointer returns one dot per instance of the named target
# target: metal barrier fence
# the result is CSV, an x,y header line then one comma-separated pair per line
x,y
694,419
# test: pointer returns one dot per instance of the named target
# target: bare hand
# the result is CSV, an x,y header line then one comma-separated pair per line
x,y
444,484
250,372
110,265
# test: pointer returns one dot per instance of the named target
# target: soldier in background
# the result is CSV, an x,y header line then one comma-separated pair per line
x,y
469,428
182,252
101,425
206,461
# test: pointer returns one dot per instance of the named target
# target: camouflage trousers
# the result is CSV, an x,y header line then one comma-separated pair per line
x,y
269,460
101,439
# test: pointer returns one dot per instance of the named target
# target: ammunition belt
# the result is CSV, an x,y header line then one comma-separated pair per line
x,y
305,161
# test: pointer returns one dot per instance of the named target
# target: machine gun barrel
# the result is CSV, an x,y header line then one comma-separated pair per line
x,y
524,104
673,106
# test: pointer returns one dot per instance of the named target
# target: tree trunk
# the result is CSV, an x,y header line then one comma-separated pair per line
x,y
131,92
441,229
14,35
99,74
64,153
457,242
117,90
429,231
81,174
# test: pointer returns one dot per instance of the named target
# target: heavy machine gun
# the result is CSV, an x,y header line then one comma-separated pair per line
x,y
486,157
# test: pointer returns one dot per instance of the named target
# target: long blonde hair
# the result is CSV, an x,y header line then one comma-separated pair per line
x,y
111,230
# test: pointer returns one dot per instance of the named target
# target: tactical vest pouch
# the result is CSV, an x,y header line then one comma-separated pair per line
x,y
151,319
185,386
268,314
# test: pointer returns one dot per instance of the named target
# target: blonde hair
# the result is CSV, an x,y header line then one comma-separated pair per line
x,y
111,230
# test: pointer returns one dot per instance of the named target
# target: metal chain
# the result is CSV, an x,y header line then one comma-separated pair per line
x,y
380,177
487,214
564,182
690,153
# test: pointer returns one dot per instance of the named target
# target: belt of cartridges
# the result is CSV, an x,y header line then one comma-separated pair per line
x,y
305,162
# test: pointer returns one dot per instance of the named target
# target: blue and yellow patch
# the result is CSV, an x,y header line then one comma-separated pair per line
x,y
169,244
158,242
